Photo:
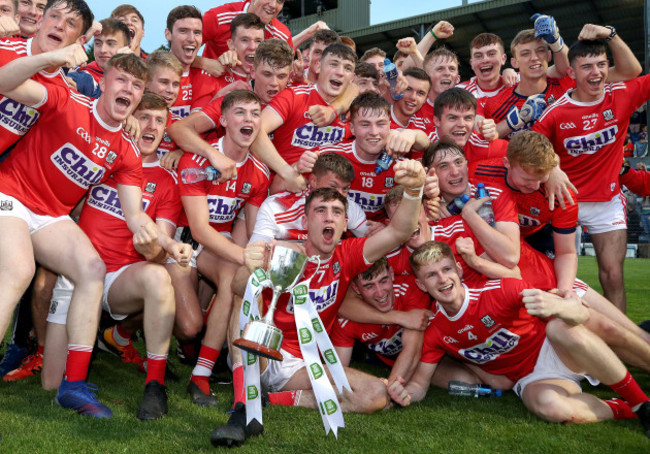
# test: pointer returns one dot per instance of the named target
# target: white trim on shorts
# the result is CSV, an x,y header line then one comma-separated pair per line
x,y
11,207
550,366
195,252
602,217
109,280
278,373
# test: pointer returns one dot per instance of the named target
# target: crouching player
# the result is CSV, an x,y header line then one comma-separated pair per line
x,y
135,281
340,262
510,336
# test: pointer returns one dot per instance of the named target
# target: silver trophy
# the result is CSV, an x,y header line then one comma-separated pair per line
x,y
262,337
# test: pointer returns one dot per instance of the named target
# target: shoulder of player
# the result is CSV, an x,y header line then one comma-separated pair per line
x,y
278,29
226,13
192,160
15,45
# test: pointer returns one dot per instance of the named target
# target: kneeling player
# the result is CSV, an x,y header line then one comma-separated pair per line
x,y
132,285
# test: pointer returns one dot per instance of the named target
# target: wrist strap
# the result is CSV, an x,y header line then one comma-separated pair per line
x,y
413,193
433,34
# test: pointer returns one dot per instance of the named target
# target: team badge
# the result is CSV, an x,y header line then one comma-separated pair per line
x,y
6,205
150,187
336,268
449,340
111,157
487,321
534,211
246,188
389,182
166,138
608,115
53,306
550,100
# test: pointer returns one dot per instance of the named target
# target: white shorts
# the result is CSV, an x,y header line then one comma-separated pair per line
x,y
12,207
62,294
550,366
601,217
278,373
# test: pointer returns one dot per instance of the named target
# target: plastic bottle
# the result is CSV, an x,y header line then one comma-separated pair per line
x,y
384,161
196,174
391,73
460,388
456,206
485,211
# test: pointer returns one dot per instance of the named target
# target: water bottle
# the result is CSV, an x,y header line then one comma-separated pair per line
x,y
456,206
485,211
391,73
460,388
384,161
196,174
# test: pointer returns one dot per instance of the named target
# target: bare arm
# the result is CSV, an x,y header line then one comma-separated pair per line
x,y
408,359
544,304
566,260
417,387
488,268
626,66
345,355
307,33
196,208
501,242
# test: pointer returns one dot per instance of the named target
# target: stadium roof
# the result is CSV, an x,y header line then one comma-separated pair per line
x,y
505,18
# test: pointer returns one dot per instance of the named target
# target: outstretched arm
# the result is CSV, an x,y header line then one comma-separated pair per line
x,y
626,66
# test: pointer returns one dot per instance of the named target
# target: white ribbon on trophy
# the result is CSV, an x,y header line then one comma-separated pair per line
x,y
312,338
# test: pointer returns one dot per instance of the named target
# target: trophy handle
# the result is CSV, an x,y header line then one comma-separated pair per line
x,y
268,317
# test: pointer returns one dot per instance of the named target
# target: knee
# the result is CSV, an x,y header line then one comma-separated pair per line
x,y
608,330
21,273
187,328
90,270
571,337
376,396
158,284
548,406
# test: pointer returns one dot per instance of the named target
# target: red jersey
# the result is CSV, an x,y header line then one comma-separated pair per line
x,y
532,209
426,114
282,216
589,137
497,107
416,121
481,95
368,189
103,221
16,118
385,340
70,150
94,70
492,330
231,76
216,28
226,199
398,259
298,133
197,89
327,290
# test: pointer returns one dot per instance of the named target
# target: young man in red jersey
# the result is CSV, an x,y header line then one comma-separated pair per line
x,y
507,335
133,19
212,209
340,262
587,129
17,119
30,14
247,32
136,283
44,178
9,18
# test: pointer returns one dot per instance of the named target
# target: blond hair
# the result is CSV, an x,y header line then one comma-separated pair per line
x,y
533,152
430,252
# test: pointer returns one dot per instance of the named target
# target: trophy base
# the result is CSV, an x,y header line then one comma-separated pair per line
x,y
258,349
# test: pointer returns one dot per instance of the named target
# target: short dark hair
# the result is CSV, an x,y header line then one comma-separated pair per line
x,y
587,48
125,9
454,97
417,73
326,37
246,20
341,51
335,163
152,101
182,12
235,96
372,52
486,39
112,26
439,147
369,101
326,194
375,270
74,6
128,63
276,52
442,52
364,69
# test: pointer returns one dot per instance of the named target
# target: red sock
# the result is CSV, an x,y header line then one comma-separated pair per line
x,y
40,349
286,398
630,391
621,409
76,366
238,383
156,365
203,369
